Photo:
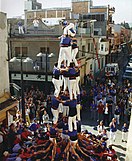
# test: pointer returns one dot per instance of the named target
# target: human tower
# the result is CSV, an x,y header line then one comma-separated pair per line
x,y
66,77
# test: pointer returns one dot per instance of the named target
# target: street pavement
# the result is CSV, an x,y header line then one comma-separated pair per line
x,y
118,145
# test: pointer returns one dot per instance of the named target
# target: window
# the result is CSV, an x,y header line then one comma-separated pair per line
x,y
96,32
102,47
90,66
17,51
48,51
88,47
102,63
83,50
92,47
21,50
93,17
44,49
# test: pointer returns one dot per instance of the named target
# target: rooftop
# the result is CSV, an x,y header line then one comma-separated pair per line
x,y
48,9
98,7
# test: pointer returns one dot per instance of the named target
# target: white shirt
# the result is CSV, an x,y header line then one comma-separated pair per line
x,y
100,129
106,110
67,30
27,112
45,117
35,23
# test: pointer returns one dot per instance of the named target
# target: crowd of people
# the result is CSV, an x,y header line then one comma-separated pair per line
x,y
45,142
42,139
52,130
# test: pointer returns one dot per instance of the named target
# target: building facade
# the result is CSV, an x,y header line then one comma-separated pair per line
x,y
32,5
81,6
7,104
49,13
91,22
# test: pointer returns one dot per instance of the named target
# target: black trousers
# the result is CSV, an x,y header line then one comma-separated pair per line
x,y
106,119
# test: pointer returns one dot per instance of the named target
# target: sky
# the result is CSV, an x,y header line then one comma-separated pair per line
x,y
15,8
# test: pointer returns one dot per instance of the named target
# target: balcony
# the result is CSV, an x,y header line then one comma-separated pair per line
x,y
84,31
104,48
35,67
43,30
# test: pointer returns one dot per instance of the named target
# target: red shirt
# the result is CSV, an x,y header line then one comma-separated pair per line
x,y
25,155
17,140
100,108
25,134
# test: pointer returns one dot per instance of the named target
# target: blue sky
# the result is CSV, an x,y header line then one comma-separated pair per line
x,y
123,7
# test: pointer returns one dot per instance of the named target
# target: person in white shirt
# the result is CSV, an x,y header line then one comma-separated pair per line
x,y
36,25
45,117
27,112
106,115
100,128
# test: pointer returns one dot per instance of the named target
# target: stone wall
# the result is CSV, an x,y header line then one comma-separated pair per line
x,y
4,73
35,44
98,10
80,7
56,13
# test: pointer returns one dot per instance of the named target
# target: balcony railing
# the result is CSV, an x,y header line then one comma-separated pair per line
x,y
38,67
84,31
41,31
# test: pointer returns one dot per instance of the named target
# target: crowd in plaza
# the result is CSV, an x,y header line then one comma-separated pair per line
x,y
41,139
52,130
